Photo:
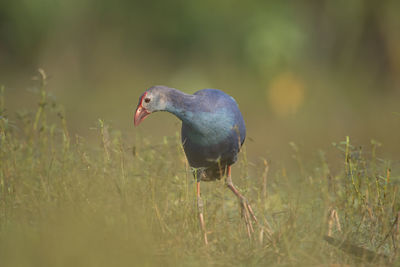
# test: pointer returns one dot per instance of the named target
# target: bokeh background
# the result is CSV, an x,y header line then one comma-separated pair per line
x,y
309,72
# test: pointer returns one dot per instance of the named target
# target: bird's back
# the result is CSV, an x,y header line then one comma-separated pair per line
x,y
215,133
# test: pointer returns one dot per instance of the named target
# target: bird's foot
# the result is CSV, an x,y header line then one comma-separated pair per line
x,y
248,215
201,219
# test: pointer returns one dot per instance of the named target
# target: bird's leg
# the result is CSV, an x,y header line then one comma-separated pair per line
x,y
247,211
200,211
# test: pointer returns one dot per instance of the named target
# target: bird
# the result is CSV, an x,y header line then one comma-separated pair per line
x,y
213,131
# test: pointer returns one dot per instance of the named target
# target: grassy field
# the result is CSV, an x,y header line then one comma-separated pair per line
x,y
65,201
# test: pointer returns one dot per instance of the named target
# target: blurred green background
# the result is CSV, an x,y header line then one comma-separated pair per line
x,y
310,72
305,74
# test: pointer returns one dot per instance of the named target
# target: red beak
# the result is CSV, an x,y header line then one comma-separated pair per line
x,y
140,114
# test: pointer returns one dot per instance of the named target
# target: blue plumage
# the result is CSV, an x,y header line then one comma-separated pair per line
x,y
212,140
213,128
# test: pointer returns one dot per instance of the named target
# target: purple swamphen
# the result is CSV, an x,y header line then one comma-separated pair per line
x,y
213,131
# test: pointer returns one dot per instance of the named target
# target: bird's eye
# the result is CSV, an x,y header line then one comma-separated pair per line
x,y
147,100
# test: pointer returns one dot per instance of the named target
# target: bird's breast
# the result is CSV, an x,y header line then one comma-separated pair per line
x,y
207,128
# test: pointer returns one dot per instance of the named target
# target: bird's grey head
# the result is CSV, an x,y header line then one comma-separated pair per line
x,y
153,99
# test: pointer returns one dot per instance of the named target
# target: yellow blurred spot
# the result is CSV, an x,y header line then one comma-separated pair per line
x,y
286,94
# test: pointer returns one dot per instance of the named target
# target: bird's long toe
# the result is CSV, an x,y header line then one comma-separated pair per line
x,y
248,215
253,216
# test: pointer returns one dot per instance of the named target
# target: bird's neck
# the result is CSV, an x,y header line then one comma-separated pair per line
x,y
181,105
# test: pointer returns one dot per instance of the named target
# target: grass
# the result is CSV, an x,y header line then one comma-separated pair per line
x,y
67,202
